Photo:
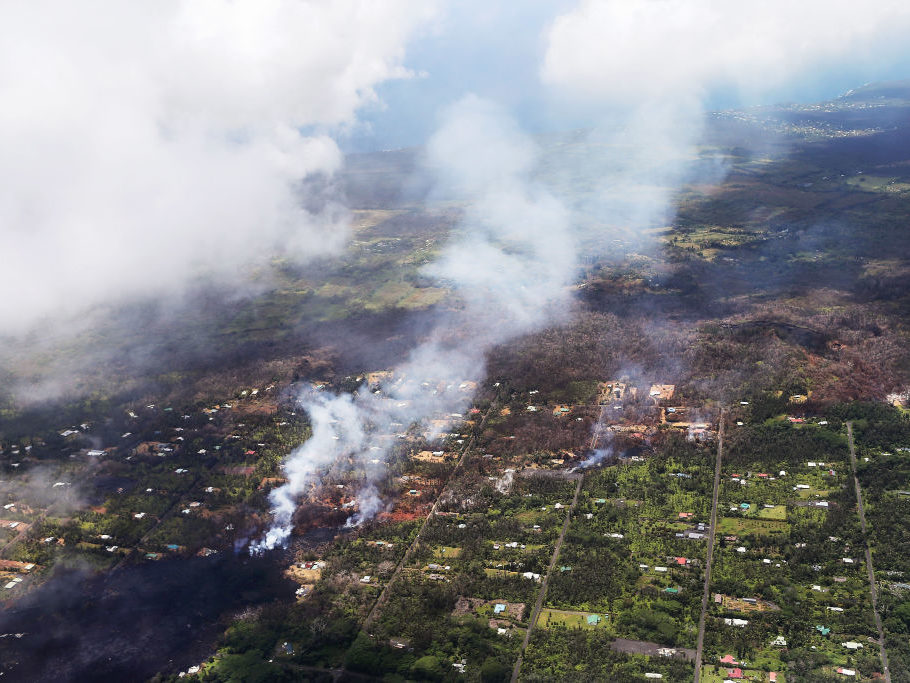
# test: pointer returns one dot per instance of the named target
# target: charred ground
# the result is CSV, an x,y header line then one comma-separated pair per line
x,y
783,286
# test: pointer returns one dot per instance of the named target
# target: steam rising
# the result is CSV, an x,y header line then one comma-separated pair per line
x,y
147,145
511,264
646,69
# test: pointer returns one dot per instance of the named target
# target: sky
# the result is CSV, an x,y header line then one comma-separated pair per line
x,y
497,50
151,146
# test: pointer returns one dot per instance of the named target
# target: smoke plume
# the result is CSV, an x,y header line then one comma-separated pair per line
x,y
646,70
510,263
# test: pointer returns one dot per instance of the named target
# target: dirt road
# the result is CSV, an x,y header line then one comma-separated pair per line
x,y
384,594
700,642
542,593
872,589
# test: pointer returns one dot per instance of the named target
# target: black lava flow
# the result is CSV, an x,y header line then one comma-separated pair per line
x,y
134,622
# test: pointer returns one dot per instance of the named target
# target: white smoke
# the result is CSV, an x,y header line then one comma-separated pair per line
x,y
149,144
602,440
504,483
647,68
369,504
511,264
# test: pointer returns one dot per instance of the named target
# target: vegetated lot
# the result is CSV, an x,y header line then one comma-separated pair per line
x,y
632,563
469,587
789,278
882,437
565,654
177,482
719,674
789,597
552,618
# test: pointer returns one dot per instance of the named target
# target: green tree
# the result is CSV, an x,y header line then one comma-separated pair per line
x,y
493,671
427,668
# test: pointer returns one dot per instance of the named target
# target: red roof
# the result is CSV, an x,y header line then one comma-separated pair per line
x,y
251,452
772,676
727,659
681,560
735,673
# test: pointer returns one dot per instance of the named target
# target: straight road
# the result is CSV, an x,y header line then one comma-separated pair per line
x,y
700,642
872,590
542,593
384,594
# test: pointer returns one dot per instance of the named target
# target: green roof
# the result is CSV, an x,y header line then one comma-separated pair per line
x,y
824,630
593,619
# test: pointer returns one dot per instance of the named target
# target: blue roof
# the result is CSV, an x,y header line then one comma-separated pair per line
x,y
499,607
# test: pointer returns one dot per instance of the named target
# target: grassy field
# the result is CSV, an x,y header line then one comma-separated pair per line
x,y
556,617
737,525
446,553
778,512
812,492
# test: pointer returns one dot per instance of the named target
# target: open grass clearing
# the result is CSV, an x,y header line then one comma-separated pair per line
x,y
446,552
588,620
739,525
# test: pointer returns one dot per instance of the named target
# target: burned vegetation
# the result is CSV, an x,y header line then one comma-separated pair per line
x,y
564,522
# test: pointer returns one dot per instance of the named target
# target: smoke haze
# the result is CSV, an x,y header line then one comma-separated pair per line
x,y
147,148
510,263
644,71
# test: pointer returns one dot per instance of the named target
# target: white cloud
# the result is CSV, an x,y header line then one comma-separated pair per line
x,y
145,144
646,68
631,50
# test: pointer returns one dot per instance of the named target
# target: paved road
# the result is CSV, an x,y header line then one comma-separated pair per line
x,y
700,642
542,593
872,589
